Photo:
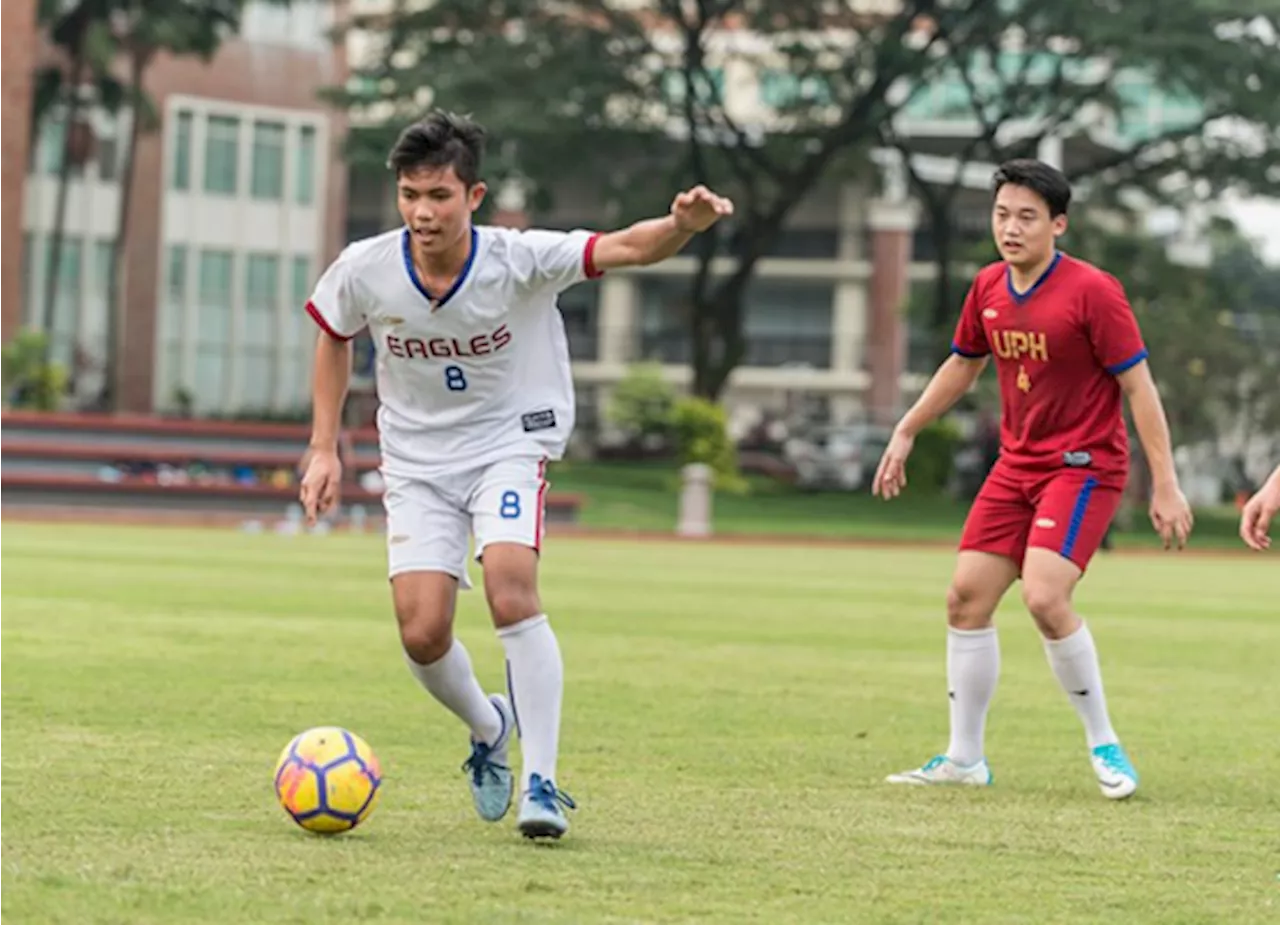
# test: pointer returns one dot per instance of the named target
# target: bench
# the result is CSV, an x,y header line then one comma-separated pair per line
x,y
86,461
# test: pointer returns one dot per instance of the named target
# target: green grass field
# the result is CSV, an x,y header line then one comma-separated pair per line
x,y
731,712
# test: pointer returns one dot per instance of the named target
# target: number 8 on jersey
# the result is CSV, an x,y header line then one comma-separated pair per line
x,y
455,380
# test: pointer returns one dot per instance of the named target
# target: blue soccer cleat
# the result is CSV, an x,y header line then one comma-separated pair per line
x,y
489,769
541,812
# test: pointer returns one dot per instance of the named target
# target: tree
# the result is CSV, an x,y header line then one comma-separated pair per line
x,y
1089,69
141,30
80,32
631,98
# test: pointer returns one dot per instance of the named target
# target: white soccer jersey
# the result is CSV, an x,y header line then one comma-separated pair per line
x,y
477,374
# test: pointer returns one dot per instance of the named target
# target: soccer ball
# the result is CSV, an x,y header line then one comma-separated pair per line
x,y
327,780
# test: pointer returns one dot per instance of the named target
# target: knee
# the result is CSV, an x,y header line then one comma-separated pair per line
x,y
512,601
968,608
1049,606
424,641
426,631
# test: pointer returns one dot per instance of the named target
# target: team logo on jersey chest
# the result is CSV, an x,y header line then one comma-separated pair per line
x,y
449,348
1014,345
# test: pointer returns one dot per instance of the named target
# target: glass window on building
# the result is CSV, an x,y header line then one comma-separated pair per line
x,y
32,280
173,334
97,298
66,303
221,154
103,252
50,142
181,168
664,319
301,329
788,322
261,313
299,336
304,178
108,149
580,308
213,330
266,180
923,344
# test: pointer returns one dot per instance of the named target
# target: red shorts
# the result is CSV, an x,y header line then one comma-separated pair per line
x,y
1067,511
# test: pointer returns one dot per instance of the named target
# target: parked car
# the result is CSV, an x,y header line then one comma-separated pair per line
x,y
842,457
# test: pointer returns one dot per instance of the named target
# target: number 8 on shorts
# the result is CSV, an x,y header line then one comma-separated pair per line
x,y
510,509
507,506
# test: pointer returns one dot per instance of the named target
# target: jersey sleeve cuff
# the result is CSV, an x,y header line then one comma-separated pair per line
x,y
960,351
324,325
589,268
1117,368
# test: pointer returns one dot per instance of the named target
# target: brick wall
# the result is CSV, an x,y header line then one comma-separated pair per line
x,y
17,48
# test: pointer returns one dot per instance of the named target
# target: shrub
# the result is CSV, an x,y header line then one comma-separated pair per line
x,y
31,380
701,432
933,457
641,404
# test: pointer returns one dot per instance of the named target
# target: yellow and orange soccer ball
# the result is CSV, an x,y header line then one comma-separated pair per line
x,y
327,780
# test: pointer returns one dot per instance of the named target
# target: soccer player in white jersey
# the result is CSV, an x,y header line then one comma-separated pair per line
x,y
475,396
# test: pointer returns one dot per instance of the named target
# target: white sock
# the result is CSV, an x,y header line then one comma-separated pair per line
x,y
451,680
1074,660
535,680
973,666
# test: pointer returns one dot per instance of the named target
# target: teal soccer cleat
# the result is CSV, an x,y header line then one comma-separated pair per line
x,y
1116,775
489,769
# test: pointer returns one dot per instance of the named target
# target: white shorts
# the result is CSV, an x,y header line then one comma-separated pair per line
x,y
429,524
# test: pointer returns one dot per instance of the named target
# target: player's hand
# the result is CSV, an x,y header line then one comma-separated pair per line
x,y
698,209
1255,520
891,474
321,484
1171,515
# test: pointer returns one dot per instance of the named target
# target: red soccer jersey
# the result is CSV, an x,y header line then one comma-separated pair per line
x,y
1058,349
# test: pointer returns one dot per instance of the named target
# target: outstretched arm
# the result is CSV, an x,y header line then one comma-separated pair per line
x,y
654,240
1170,513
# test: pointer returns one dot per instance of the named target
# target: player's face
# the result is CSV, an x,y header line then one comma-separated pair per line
x,y
1024,233
436,207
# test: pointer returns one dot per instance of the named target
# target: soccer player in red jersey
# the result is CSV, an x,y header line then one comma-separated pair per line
x,y
1066,347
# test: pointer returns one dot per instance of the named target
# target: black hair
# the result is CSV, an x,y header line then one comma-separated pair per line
x,y
442,139
1049,183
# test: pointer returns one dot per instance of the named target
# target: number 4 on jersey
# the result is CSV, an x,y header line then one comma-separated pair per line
x,y
454,379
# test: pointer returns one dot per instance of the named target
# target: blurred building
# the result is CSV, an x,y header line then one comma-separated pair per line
x,y
16,68
238,201
242,196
